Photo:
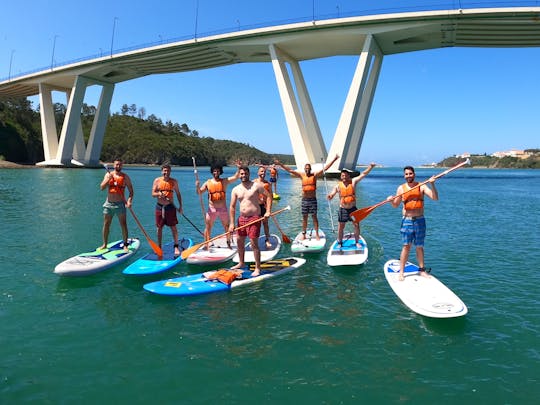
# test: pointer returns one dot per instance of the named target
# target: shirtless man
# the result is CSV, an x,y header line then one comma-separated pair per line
x,y
116,203
247,193
217,204
261,173
346,189
413,224
164,188
309,193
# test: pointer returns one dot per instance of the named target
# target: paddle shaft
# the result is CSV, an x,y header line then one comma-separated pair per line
x,y
196,247
284,237
364,212
155,247
198,191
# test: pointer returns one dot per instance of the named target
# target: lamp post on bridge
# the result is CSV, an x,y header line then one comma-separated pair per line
x,y
112,37
53,48
10,62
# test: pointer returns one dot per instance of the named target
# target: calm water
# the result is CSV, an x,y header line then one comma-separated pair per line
x,y
319,335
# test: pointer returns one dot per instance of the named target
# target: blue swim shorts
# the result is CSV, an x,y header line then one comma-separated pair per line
x,y
413,231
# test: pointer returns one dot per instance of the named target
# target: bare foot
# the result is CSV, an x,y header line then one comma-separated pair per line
x,y
256,272
303,236
268,244
238,266
102,247
358,245
401,278
176,252
317,235
424,274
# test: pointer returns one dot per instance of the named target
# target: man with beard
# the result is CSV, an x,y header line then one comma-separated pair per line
x,y
247,193
413,224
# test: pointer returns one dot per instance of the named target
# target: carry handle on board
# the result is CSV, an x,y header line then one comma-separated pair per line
x,y
196,247
361,213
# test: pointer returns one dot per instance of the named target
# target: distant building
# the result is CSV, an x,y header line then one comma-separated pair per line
x,y
521,154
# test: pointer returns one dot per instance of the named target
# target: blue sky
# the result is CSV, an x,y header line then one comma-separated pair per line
x,y
428,105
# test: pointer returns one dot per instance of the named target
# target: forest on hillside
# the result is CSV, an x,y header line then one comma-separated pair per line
x,y
493,162
129,135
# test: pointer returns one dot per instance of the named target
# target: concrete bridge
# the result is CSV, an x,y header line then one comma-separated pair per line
x,y
369,37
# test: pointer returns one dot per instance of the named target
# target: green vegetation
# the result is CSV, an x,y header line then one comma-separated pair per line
x,y
531,162
129,135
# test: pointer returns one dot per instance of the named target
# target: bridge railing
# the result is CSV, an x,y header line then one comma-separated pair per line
x,y
403,7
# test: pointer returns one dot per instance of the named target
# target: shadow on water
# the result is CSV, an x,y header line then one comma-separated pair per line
x,y
446,326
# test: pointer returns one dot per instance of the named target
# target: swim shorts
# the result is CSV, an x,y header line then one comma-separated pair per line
x,y
309,206
344,214
272,179
166,215
413,231
114,208
214,213
252,231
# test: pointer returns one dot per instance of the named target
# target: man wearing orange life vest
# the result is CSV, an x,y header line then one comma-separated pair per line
x,y
116,203
347,201
262,201
217,204
164,188
247,193
413,223
309,193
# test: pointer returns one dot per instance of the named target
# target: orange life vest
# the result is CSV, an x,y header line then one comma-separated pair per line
x,y
309,183
412,199
262,197
346,193
216,191
273,172
166,188
117,184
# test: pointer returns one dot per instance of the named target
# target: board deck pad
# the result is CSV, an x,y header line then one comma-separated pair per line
x,y
348,254
197,284
97,260
425,296
310,244
218,252
151,263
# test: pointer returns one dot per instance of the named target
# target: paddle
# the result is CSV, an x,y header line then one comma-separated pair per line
x,y
196,247
361,213
155,247
193,225
197,178
284,237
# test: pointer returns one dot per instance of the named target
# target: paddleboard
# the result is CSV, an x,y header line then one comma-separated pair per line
x,y
276,196
196,284
87,263
266,253
347,254
310,244
152,263
217,252
425,296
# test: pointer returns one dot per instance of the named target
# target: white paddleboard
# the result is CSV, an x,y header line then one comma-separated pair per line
x,y
347,253
84,264
425,296
309,244
218,252
267,253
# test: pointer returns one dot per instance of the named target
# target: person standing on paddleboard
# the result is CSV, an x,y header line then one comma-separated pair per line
x,y
217,193
116,202
309,193
413,223
261,173
273,179
164,188
247,193
346,189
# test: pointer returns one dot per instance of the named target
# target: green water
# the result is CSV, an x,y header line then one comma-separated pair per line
x,y
319,335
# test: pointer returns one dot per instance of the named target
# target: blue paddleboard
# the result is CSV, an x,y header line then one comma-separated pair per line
x,y
151,263
196,284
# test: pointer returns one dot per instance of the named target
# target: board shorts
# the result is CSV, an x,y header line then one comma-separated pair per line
x,y
214,213
114,208
413,230
251,231
272,179
165,215
344,214
309,206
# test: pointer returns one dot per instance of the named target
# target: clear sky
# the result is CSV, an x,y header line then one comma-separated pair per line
x,y
428,105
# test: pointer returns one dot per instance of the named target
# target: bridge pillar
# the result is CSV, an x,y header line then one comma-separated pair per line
x,y
304,131
71,149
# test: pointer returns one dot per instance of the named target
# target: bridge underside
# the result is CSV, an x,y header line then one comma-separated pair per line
x,y
369,37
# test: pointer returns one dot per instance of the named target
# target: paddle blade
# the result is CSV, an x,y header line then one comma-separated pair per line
x,y
187,252
285,239
361,214
155,247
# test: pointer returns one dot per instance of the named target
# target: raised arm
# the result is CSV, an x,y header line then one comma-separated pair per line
x,y
356,180
286,168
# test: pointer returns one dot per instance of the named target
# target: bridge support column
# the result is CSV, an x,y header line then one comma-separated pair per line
x,y
71,149
352,123
307,143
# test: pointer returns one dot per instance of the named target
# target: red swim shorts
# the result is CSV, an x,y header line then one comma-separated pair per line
x,y
252,231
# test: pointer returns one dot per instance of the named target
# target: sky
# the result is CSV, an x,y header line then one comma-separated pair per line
x,y
428,105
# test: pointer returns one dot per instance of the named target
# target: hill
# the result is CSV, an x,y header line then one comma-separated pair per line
x,y
532,161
